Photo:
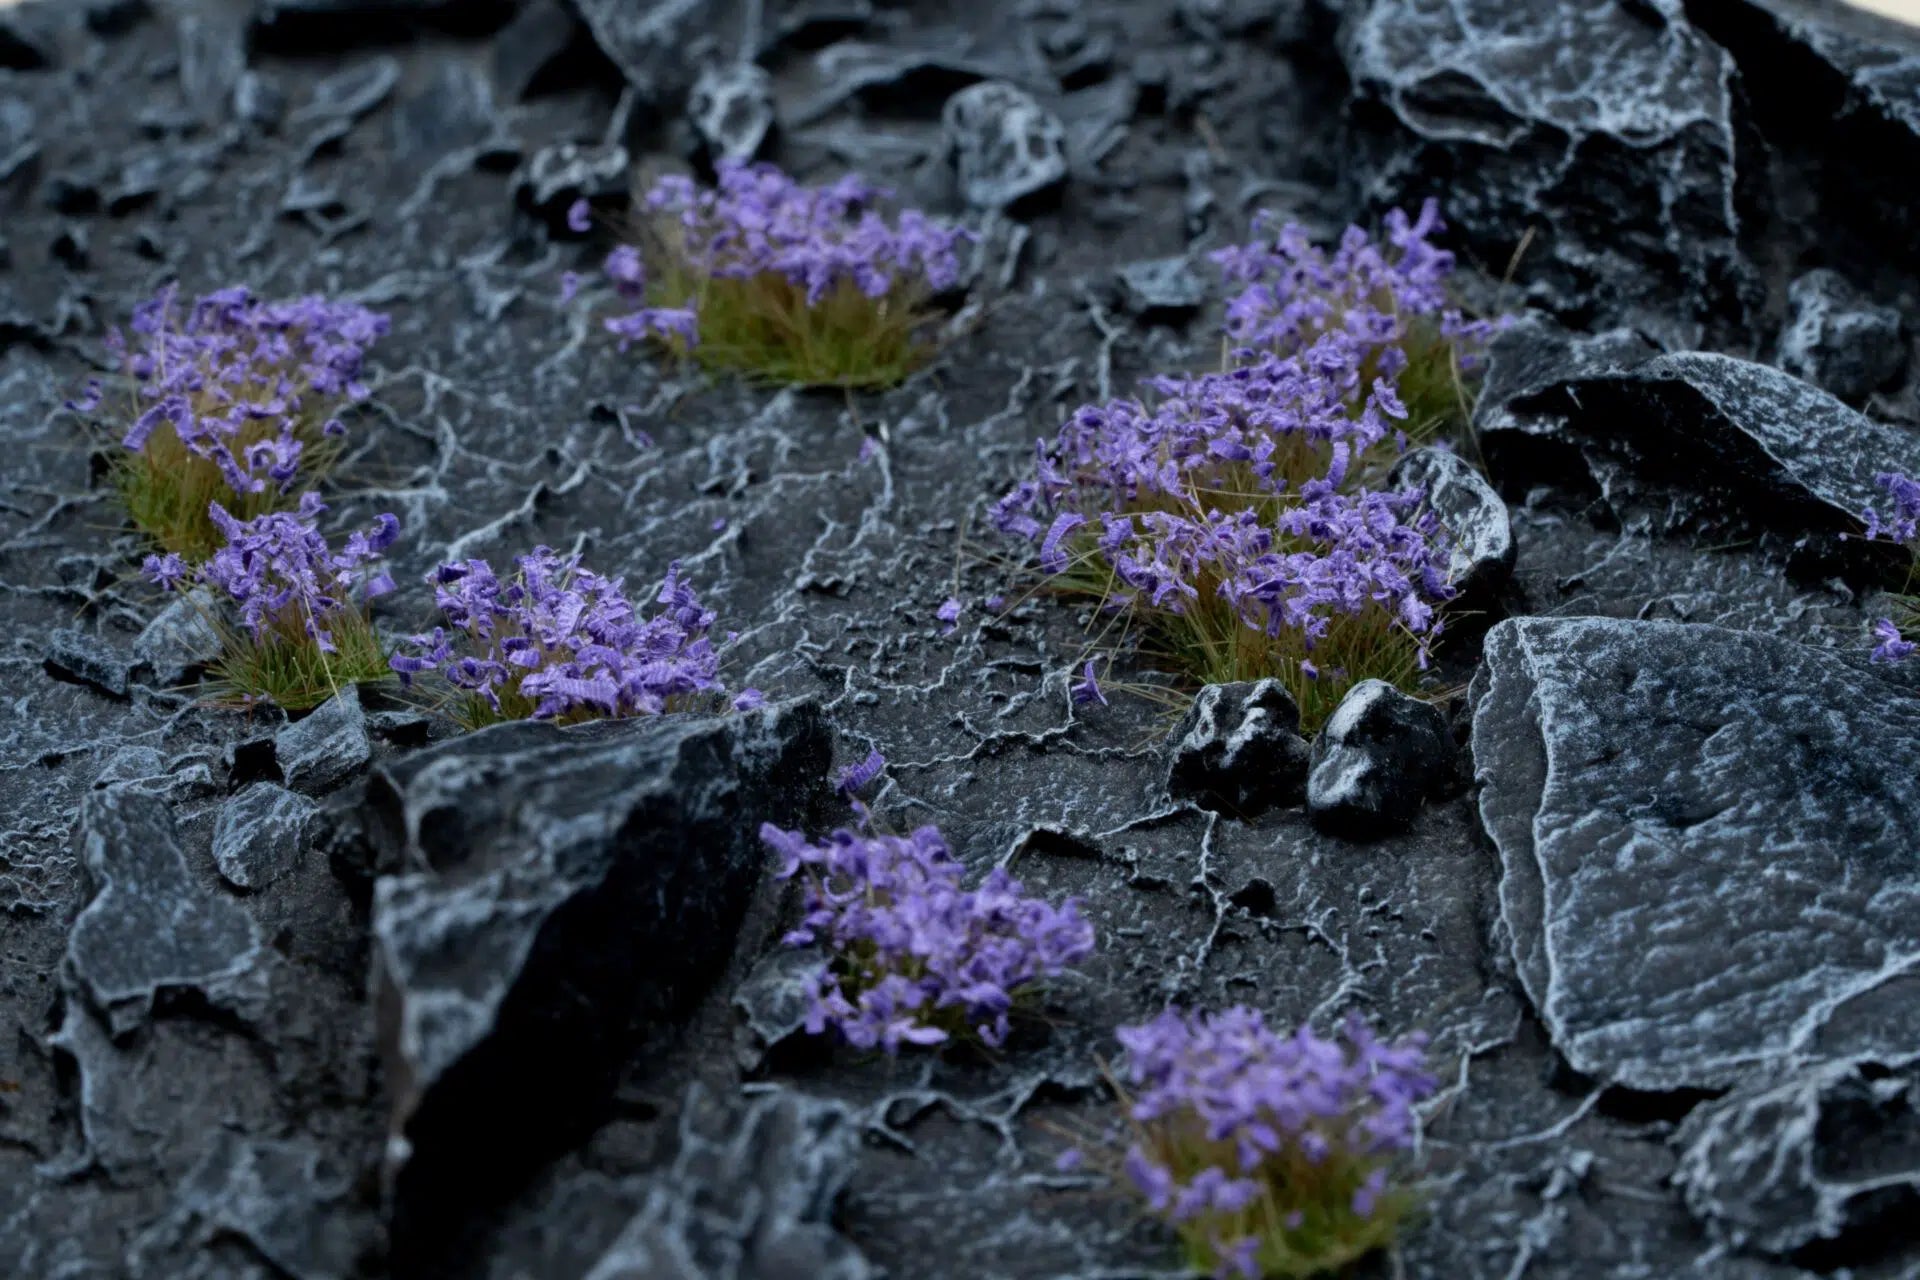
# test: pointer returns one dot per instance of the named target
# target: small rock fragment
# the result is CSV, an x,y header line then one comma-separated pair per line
x,y
732,110
750,1194
1239,750
81,657
325,749
1161,286
1379,756
150,927
1482,551
1784,1168
178,642
260,834
1838,341
1005,146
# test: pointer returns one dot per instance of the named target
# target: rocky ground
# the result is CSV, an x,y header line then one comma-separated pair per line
x,y
352,997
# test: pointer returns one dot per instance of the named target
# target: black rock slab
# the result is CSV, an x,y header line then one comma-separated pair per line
x,y
1609,129
659,47
82,657
327,747
151,927
1838,340
1850,124
1238,749
283,1199
749,1196
1706,840
260,834
562,893
1823,1168
1752,445
1376,760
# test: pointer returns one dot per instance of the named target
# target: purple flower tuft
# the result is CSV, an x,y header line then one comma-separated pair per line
x,y
916,958
557,641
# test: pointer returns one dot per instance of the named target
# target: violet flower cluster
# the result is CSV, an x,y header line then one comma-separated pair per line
x,y
915,957
1268,1151
280,574
244,384
1292,292
1901,524
1236,486
555,641
757,221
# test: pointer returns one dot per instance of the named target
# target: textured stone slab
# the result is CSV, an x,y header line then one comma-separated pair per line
x,y
1608,128
150,927
564,892
1707,844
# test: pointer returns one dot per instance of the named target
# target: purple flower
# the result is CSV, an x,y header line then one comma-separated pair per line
x,y
244,384
279,572
949,615
1255,1115
165,571
915,958
857,777
557,641
1293,293
580,217
1903,523
1892,646
1087,688
757,221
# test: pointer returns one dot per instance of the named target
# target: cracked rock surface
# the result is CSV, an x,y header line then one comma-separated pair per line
x,y
346,996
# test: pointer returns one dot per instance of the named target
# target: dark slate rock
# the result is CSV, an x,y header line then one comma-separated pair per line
x,y
749,1196
213,57
260,833
773,996
345,96
1609,128
566,892
115,17
151,927
1376,760
1706,844
258,99
659,47
453,111
530,53
25,45
1837,341
179,641
285,1199
320,752
1161,286
1741,440
732,110
554,177
1238,749
1004,145
1850,119
931,64
171,777
1483,551
1826,1161
81,657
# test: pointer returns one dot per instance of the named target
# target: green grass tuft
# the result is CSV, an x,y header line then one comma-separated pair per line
x,y
762,327
1325,1237
286,667
167,488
